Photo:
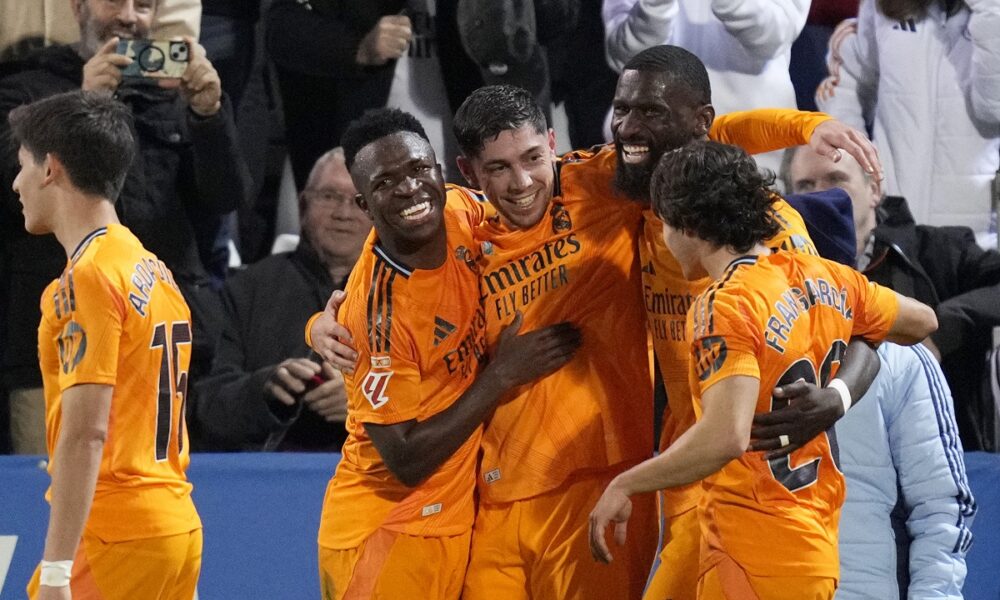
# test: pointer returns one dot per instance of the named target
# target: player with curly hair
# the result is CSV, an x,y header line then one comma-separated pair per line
x,y
769,527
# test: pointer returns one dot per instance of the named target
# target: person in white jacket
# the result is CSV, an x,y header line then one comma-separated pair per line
x,y
745,45
930,87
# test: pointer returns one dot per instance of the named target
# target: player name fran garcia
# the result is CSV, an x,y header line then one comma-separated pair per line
x,y
147,272
795,301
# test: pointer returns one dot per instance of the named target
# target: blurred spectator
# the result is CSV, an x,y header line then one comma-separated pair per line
x,y
905,525
337,58
188,166
258,395
925,74
808,61
745,45
940,266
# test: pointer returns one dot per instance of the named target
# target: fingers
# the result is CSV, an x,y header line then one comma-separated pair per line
x,y
279,393
333,306
109,47
620,532
782,452
512,330
792,390
339,355
598,545
781,416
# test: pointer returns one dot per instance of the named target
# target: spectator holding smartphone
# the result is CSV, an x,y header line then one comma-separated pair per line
x,y
188,168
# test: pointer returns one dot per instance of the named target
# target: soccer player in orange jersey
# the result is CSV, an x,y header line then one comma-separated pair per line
x,y
114,345
398,512
769,527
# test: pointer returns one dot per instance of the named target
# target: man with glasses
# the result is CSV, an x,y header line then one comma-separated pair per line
x,y
263,391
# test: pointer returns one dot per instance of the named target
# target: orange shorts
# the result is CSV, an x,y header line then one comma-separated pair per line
x,y
539,549
160,568
390,565
728,581
675,572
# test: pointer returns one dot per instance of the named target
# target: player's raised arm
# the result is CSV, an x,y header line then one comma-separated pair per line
x,y
914,322
413,450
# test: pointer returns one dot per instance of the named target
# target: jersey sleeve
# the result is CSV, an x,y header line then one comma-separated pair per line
x,y
766,129
724,343
385,388
469,207
89,340
875,307
793,235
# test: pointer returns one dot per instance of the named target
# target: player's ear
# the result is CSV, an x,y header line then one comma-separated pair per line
x,y
53,168
465,166
703,120
359,199
552,140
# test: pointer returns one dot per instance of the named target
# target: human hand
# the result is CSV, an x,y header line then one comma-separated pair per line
x,y
103,72
199,85
811,410
328,399
330,339
831,138
386,41
54,593
614,506
520,359
290,379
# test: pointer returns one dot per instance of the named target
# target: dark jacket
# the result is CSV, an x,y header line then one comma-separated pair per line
x,y
944,268
187,168
265,311
313,45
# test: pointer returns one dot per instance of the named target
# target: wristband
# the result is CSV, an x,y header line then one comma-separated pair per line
x,y
845,394
56,573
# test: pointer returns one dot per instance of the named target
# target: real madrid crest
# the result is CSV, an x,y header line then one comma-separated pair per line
x,y
560,218
465,255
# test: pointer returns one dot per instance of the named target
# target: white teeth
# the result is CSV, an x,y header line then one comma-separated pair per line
x,y
523,201
416,211
635,149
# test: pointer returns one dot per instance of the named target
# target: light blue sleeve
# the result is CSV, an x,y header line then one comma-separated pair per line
x,y
926,450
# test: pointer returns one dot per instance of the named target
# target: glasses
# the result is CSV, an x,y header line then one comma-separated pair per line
x,y
327,197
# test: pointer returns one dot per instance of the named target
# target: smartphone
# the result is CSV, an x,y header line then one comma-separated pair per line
x,y
161,59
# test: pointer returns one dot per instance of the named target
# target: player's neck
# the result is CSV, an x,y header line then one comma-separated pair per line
x,y
718,260
427,255
79,217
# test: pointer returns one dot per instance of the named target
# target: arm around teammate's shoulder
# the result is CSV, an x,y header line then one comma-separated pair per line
x,y
914,322
412,450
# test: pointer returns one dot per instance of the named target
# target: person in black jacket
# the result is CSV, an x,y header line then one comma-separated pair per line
x,y
337,58
942,267
260,392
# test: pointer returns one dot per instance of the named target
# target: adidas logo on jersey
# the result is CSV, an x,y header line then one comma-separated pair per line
x,y
907,25
492,476
442,329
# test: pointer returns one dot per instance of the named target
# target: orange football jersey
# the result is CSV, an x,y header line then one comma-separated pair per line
x,y
115,317
578,264
420,338
779,318
667,294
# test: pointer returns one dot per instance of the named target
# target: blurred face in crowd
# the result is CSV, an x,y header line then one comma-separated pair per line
x,y
331,219
100,20
401,188
652,113
811,172
515,171
30,185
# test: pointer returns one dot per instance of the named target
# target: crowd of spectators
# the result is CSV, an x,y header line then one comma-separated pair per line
x,y
254,136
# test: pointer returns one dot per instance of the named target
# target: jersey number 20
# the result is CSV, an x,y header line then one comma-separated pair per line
x,y
805,475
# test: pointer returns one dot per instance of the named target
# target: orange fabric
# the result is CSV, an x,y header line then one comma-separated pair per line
x,y
395,566
539,548
159,568
668,295
779,318
766,129
116,317
419,336
578,264
727,581
675,573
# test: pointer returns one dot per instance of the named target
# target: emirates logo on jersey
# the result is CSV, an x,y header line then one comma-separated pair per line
x,y
375,386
